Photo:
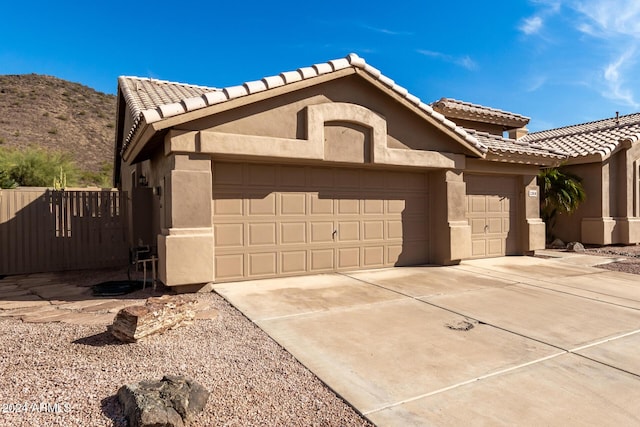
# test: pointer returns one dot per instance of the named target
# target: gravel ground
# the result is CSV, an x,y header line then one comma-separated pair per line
x,y
253,381
630,265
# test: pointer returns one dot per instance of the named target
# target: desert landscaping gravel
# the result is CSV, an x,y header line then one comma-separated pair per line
x,y
76,370
61,374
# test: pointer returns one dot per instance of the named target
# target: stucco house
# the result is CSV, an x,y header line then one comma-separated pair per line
x,y
606,155
326,168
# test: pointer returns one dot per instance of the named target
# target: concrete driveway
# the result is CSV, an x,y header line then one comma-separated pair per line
x,y
503,341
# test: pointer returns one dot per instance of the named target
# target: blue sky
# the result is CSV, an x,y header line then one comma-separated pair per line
x,y
559,62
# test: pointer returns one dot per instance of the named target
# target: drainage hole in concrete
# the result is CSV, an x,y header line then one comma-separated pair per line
x,y
461,325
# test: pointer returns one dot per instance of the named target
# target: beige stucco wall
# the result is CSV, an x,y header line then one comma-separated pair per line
x,y
608,215
347,122
284,116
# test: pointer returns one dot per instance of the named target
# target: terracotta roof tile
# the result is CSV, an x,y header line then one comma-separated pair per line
x,y
601,137
506,147
456,109
156,100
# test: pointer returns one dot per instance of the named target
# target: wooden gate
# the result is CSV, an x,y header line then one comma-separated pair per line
x,y
45,230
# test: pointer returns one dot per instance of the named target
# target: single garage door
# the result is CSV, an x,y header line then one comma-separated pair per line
x,y
277,220
491,211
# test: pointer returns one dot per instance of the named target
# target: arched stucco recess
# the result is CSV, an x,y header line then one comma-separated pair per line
x,y
212,142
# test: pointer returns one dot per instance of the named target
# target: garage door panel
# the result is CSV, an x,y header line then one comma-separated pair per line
x,y
495,225
292,176
228,235
321,206
262,205
262,264
373,207
395,206
346,178
478,225
394,229
262,175
321,177
373,256
414,229
293,262
293,204
321,232
477,204
495,204
228,174
348,205
293,233
348,257
262,234
272,220
229,267
495,247
411,253
229,204
348,231
321,259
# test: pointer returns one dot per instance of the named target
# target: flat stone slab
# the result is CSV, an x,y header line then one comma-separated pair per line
x,y
48,316
564,391
24,302
63,292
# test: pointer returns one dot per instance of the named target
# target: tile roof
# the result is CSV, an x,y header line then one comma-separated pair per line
x,y
601,137
467,111
506,147
155,100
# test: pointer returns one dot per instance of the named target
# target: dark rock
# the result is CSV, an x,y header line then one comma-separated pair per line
x,y
558,244
170,402
575,247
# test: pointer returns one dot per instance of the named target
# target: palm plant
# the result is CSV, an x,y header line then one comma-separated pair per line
x,y
562,193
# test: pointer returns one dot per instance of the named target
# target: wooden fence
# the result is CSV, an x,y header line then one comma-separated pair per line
x,y
46,230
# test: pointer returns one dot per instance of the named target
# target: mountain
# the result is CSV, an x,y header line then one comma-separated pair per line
x,y
54,114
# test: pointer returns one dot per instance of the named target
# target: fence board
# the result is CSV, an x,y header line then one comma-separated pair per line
x,y
46,230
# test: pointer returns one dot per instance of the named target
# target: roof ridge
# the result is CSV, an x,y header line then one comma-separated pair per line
x,y
612,126
519,142
217,96
484,107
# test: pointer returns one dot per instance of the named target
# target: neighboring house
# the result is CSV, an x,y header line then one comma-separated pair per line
x,y
606,155
327,168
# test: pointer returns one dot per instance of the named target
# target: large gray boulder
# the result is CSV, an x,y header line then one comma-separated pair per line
x,y
170,402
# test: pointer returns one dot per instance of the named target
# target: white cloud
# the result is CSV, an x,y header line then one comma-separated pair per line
x,y
386,31
531,25
606,18
536,83
614,76
463,61
616,23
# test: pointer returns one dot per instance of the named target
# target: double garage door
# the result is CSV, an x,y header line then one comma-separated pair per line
x,y
278,220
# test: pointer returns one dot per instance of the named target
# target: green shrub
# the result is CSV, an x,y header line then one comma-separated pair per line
x,y
35,167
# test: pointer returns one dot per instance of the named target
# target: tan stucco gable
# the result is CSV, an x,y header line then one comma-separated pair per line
x,y
150,122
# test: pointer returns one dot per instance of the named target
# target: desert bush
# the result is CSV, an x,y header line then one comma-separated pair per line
x,y
34,167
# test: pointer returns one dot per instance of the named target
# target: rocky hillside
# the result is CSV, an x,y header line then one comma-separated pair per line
x,y
55,114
